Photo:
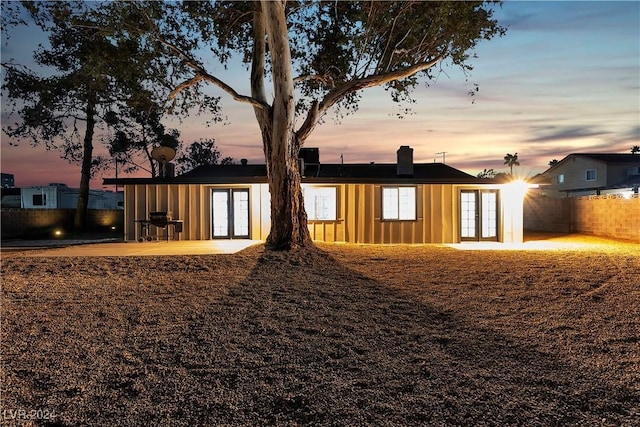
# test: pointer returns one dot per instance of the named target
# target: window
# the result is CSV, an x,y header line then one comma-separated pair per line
x,y
591,174
320,203
39,199
560,179
399,203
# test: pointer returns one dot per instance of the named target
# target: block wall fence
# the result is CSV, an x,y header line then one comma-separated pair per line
x,y
17,223
605,216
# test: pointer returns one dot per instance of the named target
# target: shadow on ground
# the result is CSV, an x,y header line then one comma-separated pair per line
x,y
298,339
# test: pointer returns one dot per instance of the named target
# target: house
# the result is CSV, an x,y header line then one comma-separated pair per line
x,y
583,174
60,196
359,203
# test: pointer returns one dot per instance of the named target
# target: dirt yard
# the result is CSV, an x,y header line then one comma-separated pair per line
x,y
340,335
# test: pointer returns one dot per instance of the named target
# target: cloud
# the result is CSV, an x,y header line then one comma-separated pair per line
x,y
555,133
633,134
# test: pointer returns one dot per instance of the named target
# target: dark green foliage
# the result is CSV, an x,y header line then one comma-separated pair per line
x,y
487,174
511,160
200,153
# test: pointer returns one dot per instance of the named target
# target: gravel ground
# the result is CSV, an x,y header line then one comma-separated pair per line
x,y
336,335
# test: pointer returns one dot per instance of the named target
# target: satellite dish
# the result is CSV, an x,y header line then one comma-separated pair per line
x,y
163,155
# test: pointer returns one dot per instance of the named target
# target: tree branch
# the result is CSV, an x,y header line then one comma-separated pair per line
x,y
352,86
201,74
325,79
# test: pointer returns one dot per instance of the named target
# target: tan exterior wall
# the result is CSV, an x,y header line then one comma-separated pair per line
x,y
606,216
358,220
191,204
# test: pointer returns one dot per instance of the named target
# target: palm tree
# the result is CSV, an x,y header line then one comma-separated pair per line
x,y
635,149
511,160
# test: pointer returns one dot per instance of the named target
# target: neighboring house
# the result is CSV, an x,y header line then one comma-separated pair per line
x,y
583,174
60,196
358,203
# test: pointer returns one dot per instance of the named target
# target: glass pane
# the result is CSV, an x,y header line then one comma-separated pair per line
x,y
241,213
389,203
468,214
489,214
220,213
320,203
407,203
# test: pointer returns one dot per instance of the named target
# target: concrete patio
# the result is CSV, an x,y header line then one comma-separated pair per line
x,y
102,249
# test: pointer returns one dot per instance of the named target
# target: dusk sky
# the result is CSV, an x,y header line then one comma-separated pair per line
x,y
565,78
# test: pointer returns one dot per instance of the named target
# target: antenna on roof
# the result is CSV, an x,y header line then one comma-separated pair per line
x,y
443,154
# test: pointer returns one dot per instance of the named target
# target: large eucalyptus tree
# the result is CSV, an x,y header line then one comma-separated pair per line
x,y
316,55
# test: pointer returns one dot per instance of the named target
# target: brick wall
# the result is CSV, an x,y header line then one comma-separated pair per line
x,y
18,223
605,216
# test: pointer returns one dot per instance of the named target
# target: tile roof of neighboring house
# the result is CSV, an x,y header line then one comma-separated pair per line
x,y
335,173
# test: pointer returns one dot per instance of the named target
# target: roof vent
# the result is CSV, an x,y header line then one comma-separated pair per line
x,y
405,161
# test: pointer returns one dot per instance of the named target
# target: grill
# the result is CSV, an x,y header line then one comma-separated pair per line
x,y
159,220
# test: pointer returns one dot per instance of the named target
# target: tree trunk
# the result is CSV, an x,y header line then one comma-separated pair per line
x,y
281,146
80,218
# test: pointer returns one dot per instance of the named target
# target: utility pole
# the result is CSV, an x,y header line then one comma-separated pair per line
x,y
443,155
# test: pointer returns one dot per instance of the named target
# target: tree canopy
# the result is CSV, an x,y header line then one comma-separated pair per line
x,y
200,153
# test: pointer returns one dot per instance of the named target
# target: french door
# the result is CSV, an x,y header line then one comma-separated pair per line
x,y
479,215
230,213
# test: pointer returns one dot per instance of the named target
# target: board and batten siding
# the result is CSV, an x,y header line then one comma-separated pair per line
x,y
358,217
190,203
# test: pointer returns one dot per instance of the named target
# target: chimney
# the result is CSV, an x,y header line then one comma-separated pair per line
x,y
244,162
405,161
308,156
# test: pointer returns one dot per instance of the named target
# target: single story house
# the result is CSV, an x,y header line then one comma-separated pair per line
x,y
356,203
